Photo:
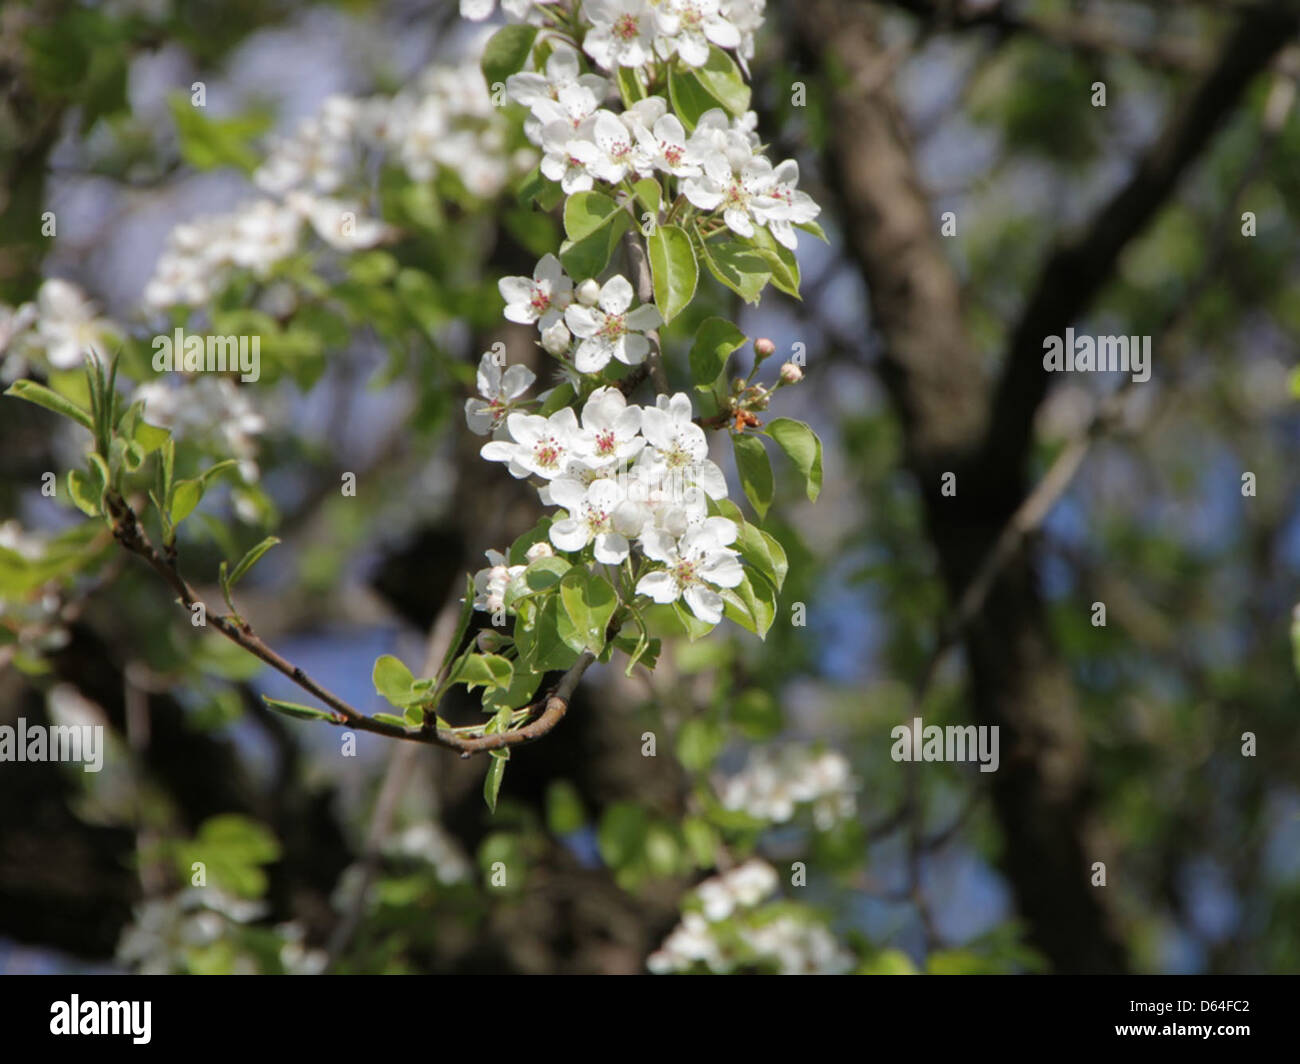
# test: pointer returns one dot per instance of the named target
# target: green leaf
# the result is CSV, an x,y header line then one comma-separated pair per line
x,y
722,79
485,670
761,551
715,340
586,212
42,396
561,396
755,471
392,679
495,774
692,625
815,229
523,685
648,192
538,639
780,259
622,834
689,97
564,813
462,626
802,447
674,269
207,143
594,223
250,559
699,741
588,602
752,606
86,493
297,710
740,268
545,573
506,53
757,714
537,188
629,86
185,497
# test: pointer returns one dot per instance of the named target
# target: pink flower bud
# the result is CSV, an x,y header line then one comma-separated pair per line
x,y
764,347
791,374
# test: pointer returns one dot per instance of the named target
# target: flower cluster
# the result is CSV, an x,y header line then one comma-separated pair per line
x,y
57,328
209,409
631,33
170,935
625,475
775,783
720,163
317,179
33,622
728,928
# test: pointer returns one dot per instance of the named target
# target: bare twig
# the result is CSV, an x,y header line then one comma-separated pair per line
x,y
127,530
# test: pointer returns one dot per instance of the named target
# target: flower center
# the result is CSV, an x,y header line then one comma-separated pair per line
x,y
672,153
684,573
541,300
626,28
615,326
547,452
737,195
677,456
605,442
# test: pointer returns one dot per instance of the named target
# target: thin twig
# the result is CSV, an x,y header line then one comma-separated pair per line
x,y
127,530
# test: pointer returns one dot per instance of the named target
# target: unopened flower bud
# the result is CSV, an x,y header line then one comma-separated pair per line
x,y
489,642
556,339
587,293
540,549
764,347
791,374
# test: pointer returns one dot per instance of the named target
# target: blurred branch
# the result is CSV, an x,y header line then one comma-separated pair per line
x,y
1088,36
1080,267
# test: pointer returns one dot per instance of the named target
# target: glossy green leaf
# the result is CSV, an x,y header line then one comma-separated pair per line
x,y
674,270
392,679
755,471
715,340
495,774
803,448
722,79
42,396
506,52
250,559
740,268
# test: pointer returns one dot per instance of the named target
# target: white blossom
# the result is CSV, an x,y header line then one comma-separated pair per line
x,y
609,330
621,34
540,299
686,28
590,511
499,390
701,557
537,445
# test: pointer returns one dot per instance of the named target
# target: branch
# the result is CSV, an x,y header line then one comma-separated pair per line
x,y
1079,268
1094,37
127,531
